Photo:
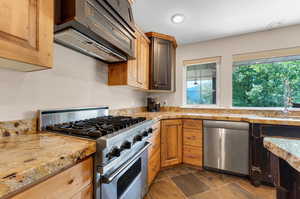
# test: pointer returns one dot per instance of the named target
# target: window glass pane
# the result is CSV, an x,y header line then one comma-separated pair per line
x,y
261,83
201,84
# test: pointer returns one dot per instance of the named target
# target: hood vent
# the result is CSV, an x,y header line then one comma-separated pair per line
x,y
94,28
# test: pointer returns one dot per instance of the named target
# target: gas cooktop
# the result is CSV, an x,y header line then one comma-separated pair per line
x,y
96,127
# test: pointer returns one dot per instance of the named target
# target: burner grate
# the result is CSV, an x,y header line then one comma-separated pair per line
x,y
96,127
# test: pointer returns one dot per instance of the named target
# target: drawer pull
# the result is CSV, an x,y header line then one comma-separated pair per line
x,y
71,181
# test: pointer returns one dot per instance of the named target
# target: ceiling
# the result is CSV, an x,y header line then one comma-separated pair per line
x,y
212,19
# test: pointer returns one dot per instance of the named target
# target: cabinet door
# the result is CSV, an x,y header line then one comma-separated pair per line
x,y
171,142
143,62
132,71
26,34
161,64
260,169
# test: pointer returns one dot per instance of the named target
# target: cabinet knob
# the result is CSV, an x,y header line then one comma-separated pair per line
x,y
71,181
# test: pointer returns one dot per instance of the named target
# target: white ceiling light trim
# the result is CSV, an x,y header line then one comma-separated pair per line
x,y
177,18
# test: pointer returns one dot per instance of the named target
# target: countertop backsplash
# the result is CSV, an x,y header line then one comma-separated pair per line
x,y
18,127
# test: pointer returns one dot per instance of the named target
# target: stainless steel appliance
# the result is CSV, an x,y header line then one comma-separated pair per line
x,y
98,28
121,158
226,146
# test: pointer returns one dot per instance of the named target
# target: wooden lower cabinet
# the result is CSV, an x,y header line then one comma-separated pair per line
x,y
73,183
85,193
154,153
171,142
154,166
192,155
193,142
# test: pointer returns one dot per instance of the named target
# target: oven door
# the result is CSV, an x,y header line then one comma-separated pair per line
x,y
130,180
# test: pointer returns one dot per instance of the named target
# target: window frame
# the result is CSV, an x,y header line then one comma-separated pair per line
x,y
261,55
188,63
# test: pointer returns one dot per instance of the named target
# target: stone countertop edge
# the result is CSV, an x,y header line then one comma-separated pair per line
x,y
29,159
214,116
285,148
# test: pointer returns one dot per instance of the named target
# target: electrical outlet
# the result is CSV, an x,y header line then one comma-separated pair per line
x,y
165,102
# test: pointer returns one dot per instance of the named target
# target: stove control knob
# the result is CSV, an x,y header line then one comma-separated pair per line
x,y
116,152
150,130
126,145
145,133
137,138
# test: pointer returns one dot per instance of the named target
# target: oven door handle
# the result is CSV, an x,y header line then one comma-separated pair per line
x,y
111,177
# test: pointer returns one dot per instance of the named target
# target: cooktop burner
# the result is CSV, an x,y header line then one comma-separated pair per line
x,y
96,127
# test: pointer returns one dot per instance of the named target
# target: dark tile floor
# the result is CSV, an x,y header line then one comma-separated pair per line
x,y
185,182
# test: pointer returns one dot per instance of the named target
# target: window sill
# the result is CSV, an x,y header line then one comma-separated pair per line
x,y
202,107
237,108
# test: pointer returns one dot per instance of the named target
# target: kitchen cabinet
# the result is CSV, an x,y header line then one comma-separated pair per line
x,y
286,179
162,62
171,142
154,153
260,166
73,183
134,72
193,142
26,36
259,158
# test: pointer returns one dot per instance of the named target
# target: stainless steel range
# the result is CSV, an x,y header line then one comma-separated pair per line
x,y
121,158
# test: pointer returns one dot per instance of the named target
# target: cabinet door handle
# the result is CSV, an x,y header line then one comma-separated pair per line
x,y
71,181
256,169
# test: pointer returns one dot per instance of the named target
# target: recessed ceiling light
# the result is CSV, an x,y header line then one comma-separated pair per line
x,y
177,18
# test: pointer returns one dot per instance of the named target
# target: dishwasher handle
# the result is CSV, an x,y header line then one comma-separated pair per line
x,y
226,125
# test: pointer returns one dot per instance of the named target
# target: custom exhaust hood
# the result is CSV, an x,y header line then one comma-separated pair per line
x,y
103,29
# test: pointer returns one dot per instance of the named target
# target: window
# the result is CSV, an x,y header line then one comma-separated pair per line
x,y
201,82
266,82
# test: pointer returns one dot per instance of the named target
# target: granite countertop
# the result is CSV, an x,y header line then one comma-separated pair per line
x,y
27,159
285,148
293,121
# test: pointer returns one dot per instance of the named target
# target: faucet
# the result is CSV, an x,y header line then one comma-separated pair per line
x,y
287,98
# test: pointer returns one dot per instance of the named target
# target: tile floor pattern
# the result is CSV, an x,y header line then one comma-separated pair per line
x,y
185,182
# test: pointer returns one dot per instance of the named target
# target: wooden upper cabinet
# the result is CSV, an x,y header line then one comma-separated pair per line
x,y
26,34
143,62
162,62
134,72
171,142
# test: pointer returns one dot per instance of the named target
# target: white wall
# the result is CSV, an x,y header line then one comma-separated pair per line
x,y
76,80
226,47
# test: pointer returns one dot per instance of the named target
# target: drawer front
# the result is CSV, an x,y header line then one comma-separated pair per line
x,y
156,127
192,124
67,183
192,137
155,139
85,193
192,155
154,166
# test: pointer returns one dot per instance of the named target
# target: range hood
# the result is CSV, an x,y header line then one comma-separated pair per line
x,y
96,28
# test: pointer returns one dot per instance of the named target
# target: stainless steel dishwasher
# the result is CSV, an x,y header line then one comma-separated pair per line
x,y
226,146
